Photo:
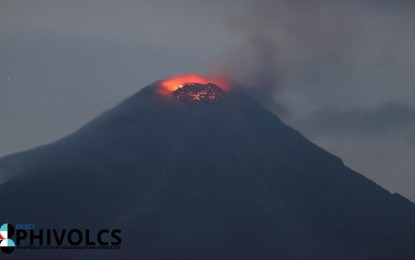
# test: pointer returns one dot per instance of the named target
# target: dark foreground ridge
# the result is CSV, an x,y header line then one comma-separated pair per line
x,y
196,92
225,180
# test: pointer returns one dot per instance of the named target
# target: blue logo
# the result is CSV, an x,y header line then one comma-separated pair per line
x,y
7,245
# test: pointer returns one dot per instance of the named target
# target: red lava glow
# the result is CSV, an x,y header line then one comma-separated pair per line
x,y
195,92
171,84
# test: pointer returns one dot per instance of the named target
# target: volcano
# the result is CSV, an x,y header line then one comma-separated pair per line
x,y
186,178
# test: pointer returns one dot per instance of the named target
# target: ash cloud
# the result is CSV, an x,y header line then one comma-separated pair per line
x,y
301,56
254,62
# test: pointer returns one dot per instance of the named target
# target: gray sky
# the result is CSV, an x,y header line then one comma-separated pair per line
x,y
342,72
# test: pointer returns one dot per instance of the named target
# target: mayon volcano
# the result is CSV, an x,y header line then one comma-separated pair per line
x,y
200,172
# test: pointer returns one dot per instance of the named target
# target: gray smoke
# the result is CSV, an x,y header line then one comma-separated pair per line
x,y
326,53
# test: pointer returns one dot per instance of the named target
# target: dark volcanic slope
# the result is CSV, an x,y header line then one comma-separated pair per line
x,y
225,179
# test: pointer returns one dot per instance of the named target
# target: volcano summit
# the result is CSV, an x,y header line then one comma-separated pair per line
x,y
196,92
214,180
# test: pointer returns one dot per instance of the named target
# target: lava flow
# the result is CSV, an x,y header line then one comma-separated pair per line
x,y
195,92
191,88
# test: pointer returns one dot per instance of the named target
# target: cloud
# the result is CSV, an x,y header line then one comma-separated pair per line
x,y
306,55
389,118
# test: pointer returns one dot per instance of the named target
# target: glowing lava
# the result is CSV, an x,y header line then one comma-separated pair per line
x,y
195,92
192,87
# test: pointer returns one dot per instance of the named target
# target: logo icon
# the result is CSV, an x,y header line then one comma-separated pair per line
x,y
7,245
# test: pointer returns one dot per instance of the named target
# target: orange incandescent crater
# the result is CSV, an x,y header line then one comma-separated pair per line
x,y
192,88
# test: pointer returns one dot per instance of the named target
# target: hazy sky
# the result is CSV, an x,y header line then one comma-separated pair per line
x,y
341,72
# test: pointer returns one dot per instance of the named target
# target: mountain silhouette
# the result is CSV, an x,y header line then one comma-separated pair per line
x,y
203,180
